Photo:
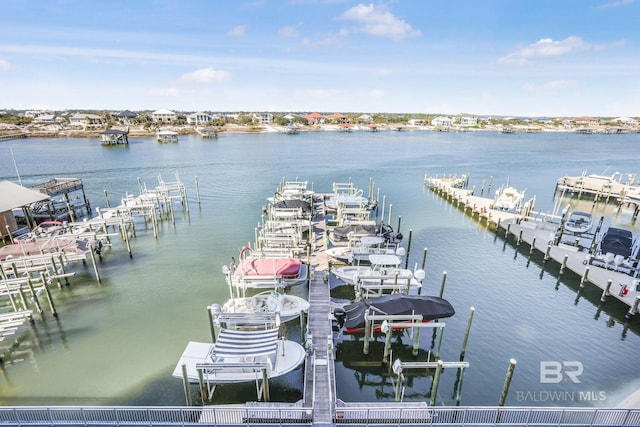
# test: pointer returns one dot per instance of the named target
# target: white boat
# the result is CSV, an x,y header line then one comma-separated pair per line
x,y
262,272
288,307
240,356
359,254
508,199
383,274
578,222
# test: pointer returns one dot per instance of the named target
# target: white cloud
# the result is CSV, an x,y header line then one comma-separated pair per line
x,y
206,75
378,21
615,4
383,72
288,32
551,86
5,65
545,48
237,31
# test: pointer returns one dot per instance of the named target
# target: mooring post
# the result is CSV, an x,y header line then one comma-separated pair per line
x,y
34,296
507,231
424,258
547,254
185,384
564,264
390,210
434,385
607,291
406,260
585,277
399,385
203,394
533,246
466,334
634,309
93,261
265,385
444,280
416,341
507,382
48,294
367,332
387,344
106,197
519,237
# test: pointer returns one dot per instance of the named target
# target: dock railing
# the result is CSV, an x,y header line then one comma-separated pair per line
x,y
361,414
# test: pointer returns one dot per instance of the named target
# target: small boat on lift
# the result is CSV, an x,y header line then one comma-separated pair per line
x,y
578,222
359,254
508,199
351,317
264,272
289,307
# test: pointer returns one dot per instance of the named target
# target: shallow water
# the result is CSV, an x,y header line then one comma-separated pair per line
x,y
117,342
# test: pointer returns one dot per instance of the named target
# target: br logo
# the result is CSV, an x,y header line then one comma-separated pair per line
x,y
553,371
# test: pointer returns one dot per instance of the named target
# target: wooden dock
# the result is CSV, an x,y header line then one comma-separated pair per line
x,y
319,386
13,136
539,231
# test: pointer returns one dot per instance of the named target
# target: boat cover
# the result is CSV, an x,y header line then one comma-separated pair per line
x,y
342,232
294,203
232,343
430,307
617,241
286,267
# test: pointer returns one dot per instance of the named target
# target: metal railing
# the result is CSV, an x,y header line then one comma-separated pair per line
x,y
487,416
359,414
151,416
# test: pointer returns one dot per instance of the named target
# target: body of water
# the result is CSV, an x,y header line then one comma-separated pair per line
x,y
117,342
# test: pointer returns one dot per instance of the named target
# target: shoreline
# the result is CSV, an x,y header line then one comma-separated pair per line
x,y
236,129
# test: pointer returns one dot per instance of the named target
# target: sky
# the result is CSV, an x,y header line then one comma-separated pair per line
x,y
485,57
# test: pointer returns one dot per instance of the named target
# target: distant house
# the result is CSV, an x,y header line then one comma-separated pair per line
x,y
289,117
625,120
442,122
365,118
46,118
199,118
263,118
125,117
85,120
468,120
586,121
337,118
416,122
315,118
163,116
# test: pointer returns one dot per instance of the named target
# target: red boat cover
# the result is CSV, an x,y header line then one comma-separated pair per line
x,y
288,268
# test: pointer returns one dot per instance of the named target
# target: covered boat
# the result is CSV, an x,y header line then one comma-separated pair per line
x,y
351,316
344,234
240,356
289,307
578,222
265,272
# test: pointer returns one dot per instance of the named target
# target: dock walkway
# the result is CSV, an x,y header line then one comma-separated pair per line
x,y
319,388
538,231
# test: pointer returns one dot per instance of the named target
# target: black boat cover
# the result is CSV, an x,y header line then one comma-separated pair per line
x,y
294,203
617,241
430,307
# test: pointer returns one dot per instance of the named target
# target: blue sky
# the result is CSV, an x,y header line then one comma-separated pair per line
x,y
509,57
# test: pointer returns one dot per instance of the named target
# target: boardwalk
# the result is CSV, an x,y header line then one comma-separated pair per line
x,y
319,388
538,231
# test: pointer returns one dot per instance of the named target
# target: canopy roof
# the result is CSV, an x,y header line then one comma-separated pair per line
x,y
15,196
233,343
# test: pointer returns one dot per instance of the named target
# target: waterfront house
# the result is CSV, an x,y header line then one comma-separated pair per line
x,y
442,122
315,119
467,120
85,120
163,116
416,122
365,118
263,118
126,117
337,118
199,118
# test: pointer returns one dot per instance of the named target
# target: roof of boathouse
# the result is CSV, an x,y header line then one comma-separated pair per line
x,y
16,196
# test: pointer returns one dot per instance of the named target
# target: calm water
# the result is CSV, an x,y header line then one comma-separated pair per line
x,y
117,342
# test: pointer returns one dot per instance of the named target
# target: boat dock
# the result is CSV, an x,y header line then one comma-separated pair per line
x,y
539,231
13,136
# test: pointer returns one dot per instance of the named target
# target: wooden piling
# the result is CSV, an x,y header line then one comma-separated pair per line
x,y
185,384
197,190
434,385
466,334
533,246
93,261
424,258
607,291
585,277
444,280
507,382
34,296
564,264
406,260
634,309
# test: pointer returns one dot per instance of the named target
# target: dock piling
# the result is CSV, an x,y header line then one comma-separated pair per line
x,y
434,385
466,333
507,382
